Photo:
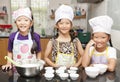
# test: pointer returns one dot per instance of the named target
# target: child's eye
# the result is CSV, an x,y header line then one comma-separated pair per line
x,y
103,37
96,37
26,20
18,20
67,23
60,23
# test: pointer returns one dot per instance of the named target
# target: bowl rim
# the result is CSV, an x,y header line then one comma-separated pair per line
x,y
76,75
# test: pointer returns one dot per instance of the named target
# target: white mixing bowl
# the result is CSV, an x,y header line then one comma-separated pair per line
x,y
102,67
92,71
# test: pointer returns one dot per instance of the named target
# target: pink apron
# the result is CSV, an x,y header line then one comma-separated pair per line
x,y
22,50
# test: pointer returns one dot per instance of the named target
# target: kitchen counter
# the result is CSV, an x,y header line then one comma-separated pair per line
x,y
106,77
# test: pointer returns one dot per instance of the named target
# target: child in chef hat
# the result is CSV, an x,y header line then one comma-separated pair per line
x,y
97,50
24,44
64,47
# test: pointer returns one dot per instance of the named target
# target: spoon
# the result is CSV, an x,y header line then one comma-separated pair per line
x,y
13,62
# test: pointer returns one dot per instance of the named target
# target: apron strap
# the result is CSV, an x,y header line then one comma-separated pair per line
x,y
29,36
94,51
16,36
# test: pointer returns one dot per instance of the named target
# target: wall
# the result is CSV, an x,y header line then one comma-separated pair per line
x,y
101,9
7,4
53,4
96,9
113,8
82,23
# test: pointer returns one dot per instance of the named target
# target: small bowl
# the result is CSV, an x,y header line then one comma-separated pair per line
x,y
49,71
48,68
74,68
49,76
102,67
62,68
74,76
72,71
58,71
92,71
63,76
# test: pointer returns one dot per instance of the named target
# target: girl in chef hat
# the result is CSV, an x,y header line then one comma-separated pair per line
x,y
25,43
64,47
97,50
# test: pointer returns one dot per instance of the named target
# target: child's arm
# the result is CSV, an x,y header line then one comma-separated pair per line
x,y
80,52
111,64
86,58
39,55
8,65
112,59
48,53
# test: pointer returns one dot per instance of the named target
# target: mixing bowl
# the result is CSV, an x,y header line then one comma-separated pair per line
x,y
92,71
102,67
30,70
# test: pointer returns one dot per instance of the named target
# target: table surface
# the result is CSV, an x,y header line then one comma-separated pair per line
x,y
106,77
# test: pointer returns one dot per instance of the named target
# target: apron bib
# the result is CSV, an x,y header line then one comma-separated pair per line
x,y
22,50
99,58
65,59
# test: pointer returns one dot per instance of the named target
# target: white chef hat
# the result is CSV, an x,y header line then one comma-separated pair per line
x,y
64,11
101,24
22,12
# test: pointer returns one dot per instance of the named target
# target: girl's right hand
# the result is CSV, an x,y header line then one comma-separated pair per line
x,y
6,67
91,43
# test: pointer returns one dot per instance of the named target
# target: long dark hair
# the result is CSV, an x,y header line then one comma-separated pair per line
x,y
34,46
71,32
110,42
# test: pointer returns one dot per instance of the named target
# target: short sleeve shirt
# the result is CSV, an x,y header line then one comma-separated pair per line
x,y
20,37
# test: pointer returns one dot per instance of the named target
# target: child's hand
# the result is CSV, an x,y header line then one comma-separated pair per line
x,y
74,65
56,66
91,43
6,67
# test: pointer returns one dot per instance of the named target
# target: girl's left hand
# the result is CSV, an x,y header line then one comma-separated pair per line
x,y
75,65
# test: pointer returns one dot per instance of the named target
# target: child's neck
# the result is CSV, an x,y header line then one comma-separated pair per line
x,y
24,33
63,38
101,49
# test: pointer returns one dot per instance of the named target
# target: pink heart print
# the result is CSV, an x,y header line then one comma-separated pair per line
x,y
24,48
18,56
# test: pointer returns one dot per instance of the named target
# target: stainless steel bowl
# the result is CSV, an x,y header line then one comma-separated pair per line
x,y
28,71
33,79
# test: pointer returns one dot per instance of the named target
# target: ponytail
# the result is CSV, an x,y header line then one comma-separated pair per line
x,y
72,35
110,42
34,46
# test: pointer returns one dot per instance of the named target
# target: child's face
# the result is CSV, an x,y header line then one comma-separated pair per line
x,y
101,39
64,26
23,23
